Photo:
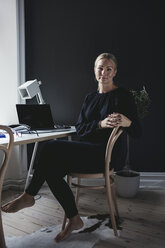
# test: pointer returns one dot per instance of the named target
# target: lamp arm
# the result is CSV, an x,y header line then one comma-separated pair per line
x,y
39,97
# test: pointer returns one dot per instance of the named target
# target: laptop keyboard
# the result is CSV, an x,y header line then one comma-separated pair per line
x,y
61,126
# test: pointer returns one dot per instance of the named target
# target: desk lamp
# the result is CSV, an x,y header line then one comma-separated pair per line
x,y
27,91
30,89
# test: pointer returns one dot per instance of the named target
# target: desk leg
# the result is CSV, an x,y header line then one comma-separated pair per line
x,y
31,163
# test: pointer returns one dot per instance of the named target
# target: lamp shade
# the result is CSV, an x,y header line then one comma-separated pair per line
x,y
29,89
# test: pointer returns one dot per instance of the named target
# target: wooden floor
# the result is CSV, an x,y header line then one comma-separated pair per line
x,y
143,217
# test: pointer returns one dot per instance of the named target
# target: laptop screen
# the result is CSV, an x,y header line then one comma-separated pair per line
x,y
37,116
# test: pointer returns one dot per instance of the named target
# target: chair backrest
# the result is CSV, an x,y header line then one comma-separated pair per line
x,y
7,152
116,132
6,149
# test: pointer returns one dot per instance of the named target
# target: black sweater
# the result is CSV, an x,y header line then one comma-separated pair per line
x,y
97,106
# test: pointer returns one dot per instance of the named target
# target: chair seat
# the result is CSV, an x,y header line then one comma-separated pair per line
x,y
89,175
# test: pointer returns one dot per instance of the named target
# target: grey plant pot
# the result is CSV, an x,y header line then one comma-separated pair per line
x,y
127,186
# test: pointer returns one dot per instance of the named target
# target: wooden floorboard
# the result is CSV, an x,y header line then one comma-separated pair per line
x,y
143,217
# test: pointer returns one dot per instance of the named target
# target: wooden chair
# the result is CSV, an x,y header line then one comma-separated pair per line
x,y
3,166
109,181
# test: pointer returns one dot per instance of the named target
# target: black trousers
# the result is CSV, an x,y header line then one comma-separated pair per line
x,y
59,157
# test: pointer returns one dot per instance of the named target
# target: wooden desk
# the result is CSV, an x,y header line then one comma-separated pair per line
x,y
34,138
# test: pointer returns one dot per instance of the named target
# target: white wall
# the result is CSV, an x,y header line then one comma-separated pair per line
x,y
12,73
8,61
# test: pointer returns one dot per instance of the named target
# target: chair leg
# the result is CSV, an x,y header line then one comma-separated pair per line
x,y
77,191
111,209
114,200
69,181
2,238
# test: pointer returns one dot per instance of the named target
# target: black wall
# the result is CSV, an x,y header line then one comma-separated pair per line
x,y
64,37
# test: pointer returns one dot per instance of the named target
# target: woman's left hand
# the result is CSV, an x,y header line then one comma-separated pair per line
x,y
119,120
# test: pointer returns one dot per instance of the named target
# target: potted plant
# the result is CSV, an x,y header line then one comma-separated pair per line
x,y
127,181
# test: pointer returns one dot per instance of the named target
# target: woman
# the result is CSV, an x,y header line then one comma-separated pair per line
x,y
102,110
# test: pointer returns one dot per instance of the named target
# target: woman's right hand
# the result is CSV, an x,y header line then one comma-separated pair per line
x,y
115,120
109,122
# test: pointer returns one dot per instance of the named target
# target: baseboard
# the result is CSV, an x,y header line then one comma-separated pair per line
x,y
14,184
152,180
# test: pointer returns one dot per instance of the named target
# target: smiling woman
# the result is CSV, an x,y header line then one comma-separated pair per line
x,y
102,110
105,70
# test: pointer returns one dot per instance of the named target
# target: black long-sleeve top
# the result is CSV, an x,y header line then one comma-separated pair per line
x,y
97,106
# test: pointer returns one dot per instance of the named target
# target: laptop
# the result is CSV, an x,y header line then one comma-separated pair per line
x,y
38,117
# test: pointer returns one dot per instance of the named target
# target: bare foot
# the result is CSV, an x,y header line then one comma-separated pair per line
x,y
23,201
74,223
